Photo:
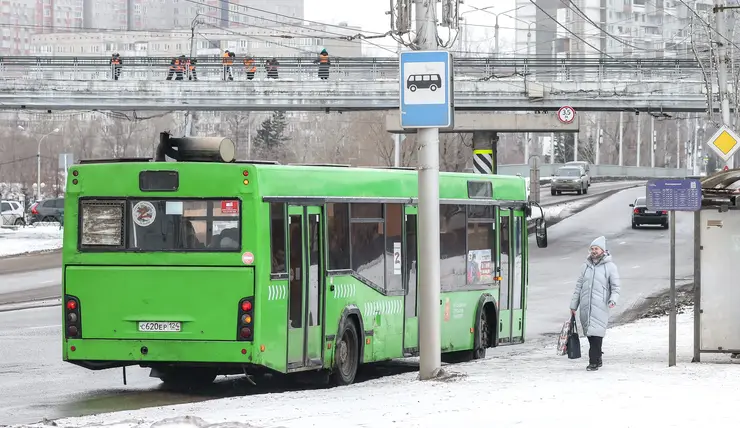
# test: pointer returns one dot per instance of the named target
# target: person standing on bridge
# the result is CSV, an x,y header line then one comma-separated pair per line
x,y
228,61
115,66
597,291
324,64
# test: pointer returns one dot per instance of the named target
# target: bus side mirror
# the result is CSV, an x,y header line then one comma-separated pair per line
x,y
540,231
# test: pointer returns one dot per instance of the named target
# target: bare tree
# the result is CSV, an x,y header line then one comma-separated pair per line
x,y
239,127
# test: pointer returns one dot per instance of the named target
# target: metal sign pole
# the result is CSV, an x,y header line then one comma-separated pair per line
x,y
673,195
672,313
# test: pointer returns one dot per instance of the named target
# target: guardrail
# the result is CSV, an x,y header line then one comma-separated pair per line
x,y
599,171
211,68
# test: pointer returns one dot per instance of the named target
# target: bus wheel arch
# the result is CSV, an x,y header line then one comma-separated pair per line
x,y
349,343
486,326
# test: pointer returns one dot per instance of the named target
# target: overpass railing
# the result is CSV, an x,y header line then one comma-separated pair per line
x,y
599,171
358,68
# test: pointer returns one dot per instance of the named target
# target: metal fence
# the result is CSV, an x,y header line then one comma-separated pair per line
x,y
599,171
360,68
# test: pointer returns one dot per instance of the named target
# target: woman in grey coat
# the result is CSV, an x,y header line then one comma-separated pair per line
x,y
597,291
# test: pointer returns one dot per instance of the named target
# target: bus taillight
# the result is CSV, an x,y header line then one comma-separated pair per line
x,y
72,317
246,318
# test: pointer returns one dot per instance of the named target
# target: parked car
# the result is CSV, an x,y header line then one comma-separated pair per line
x,y
641,215
11,213
48,210
569,179
586,167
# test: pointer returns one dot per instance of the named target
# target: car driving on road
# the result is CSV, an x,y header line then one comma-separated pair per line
x,y
641,215
569,179
586,168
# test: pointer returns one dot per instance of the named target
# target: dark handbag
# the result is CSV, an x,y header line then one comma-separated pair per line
x,y
574,342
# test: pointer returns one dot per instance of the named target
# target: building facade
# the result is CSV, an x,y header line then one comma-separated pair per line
x,y
620,28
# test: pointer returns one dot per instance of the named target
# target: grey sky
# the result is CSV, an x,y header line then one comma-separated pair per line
x,y
370,15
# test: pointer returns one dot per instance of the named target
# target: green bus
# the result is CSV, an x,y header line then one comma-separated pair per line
x,y
207,266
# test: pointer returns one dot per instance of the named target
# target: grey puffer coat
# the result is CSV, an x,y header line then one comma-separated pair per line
x,y
597,286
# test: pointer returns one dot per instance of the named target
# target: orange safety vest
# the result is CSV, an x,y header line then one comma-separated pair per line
x,y
115,61
227,59
249,65
324,59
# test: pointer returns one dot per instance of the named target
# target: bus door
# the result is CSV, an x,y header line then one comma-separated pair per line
x,y
517,276
410,281
503,267
304,300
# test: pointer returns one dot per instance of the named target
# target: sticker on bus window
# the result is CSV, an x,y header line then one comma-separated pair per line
x,y
144,213
174,208
230,207
396,258
247,258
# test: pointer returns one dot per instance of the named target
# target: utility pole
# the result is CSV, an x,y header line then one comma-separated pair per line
x,y
430,342
598,142
639,131
652,141
696,152
721,27
621,138
678,143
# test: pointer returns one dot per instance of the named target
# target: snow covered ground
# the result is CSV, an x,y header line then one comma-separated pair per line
x,y
29,239
526,385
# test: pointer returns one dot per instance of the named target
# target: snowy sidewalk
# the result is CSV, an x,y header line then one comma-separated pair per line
x,y
525,385
29,239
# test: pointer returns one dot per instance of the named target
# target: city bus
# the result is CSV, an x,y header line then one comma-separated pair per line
x,y
203,266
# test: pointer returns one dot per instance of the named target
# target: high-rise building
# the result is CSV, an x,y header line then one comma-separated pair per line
x,y
20,19
619,28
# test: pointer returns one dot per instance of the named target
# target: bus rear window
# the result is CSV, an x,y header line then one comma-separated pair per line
x,y
178,225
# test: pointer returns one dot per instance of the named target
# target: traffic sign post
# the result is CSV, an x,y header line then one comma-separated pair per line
x,y
673,194
725,142
426,89
566,114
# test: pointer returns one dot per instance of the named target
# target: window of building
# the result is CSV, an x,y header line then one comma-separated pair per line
x,y
452,231
277,237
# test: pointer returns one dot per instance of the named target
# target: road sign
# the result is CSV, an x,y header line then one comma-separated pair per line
x,y
426,89
674,194
724,142
66,160
566,114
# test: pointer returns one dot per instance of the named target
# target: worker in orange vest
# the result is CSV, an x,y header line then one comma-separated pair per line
x,y
115,65
324,64
190,63
250,67
228,61
177,68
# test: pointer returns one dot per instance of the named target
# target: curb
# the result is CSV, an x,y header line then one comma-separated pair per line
x,y
34,304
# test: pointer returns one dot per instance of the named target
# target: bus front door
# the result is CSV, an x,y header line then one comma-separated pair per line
x,y
304,301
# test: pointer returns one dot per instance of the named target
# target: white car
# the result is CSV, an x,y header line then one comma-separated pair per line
x,y
11,214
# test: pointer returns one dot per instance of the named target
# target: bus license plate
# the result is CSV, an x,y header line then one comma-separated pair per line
x,y
159,326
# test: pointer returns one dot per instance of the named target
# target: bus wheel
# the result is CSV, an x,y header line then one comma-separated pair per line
x,y
484,337
346,355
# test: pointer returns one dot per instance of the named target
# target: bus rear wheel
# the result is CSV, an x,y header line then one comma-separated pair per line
x,y
484,337
346,355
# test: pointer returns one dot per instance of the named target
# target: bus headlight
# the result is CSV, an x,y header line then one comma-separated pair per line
x,y
102,223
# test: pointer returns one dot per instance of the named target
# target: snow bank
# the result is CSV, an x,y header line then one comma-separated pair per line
x,y
525,385
29,239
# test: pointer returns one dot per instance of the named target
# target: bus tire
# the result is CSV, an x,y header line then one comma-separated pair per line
x,y
486,327
346,354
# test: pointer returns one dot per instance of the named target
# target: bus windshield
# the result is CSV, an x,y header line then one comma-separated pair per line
x,y
161,224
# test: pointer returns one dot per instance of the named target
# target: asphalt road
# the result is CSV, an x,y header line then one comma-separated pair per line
x,y
642,257
36,384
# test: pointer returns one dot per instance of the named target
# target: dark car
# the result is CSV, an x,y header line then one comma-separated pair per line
x,y
48,210
641,215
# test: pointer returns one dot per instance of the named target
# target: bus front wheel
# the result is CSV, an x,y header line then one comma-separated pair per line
x,y
346,355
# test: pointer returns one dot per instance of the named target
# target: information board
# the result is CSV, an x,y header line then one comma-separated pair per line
x,y
674,194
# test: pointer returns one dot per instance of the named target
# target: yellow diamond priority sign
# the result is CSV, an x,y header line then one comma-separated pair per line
x,y
725,143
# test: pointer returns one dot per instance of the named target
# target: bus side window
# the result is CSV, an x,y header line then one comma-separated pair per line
x,y
277,237
338,236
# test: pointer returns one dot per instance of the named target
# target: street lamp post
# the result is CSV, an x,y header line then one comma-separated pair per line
x,y
38,161
495,27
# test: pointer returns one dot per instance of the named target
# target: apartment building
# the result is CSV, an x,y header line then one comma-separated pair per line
x,y
636,28
20,19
